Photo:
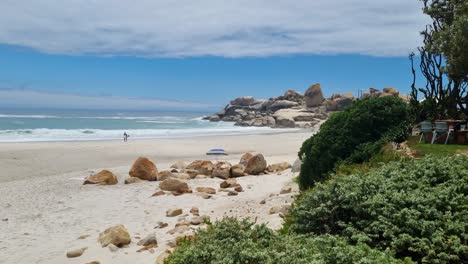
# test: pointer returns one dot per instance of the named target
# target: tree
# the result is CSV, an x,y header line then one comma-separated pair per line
x,y
443,61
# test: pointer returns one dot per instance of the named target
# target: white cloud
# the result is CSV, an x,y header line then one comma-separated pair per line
x,y
12,98
231,28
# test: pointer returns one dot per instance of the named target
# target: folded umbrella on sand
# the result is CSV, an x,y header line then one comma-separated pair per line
x,y
216,152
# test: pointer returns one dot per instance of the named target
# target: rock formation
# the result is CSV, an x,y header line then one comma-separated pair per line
x,y
291,110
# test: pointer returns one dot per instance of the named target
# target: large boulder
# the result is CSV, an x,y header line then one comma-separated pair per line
x,y
281,104
374,92
174,185
348,95
245,158
243,101
204,167
213,118
331,105
343,102
391,91
116,235
256,165
313,96
103,177
144,169
405,97
222,170
292,95
304,117
285,122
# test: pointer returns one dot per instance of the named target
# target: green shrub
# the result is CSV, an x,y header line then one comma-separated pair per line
x,y
231,241
416,209
353,136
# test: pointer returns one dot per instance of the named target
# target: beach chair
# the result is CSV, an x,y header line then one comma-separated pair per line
x,y
441,128
426,129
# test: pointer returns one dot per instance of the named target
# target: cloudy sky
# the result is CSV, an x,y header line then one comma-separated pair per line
x,y
205,50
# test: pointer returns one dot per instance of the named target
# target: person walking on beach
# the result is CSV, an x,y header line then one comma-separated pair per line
x,y
125,136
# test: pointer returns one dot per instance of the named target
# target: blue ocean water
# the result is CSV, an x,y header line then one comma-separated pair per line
x,y
65,125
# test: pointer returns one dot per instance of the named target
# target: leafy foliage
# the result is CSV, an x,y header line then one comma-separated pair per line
x,y
353,136
443,62
231,241
416,209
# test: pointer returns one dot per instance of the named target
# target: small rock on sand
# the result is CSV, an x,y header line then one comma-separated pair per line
x,y
238,188
158,193
117,235
174,185
195,211
103,177
232,193
173,212
161,224
131,180
228,183
196,220
112,248
76,252
148,240
208,190
204,195
162,257
285,190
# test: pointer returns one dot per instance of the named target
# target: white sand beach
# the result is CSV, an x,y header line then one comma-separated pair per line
x,y
44,207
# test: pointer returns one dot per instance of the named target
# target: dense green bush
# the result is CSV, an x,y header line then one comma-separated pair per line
x,y
416,209
353,136
231,241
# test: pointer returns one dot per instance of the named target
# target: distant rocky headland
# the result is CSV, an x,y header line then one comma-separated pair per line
x,y
292,109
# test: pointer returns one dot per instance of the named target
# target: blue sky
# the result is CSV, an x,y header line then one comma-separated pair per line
x,y
204,55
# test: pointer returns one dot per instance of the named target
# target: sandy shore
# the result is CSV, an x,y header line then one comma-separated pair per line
x,y
44,207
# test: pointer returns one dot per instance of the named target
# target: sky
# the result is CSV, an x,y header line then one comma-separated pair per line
x,y
199,54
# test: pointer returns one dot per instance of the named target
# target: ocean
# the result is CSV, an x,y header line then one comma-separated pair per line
x,y
73,125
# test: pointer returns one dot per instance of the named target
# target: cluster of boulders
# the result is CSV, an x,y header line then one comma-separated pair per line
x,y
173,180
385,92
290,110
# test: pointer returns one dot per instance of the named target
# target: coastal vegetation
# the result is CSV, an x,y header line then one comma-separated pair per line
x,y
240,241
414,208
353,136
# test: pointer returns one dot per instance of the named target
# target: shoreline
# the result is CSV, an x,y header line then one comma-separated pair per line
x,y
239,133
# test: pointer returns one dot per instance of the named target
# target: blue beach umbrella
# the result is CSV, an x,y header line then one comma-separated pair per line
x,y
216,152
